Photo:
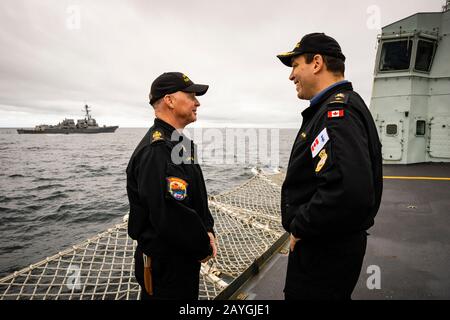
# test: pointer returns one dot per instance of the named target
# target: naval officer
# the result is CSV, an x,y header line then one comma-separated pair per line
x,y
169,214
333,184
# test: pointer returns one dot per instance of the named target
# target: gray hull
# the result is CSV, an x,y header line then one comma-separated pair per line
x,y
69,131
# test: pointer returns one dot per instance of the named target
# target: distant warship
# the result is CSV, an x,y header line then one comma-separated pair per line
x,y
86,125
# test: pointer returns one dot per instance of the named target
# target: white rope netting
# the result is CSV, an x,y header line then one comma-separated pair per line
x,y
247,224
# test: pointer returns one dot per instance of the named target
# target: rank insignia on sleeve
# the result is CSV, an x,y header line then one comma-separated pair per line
x,y
319,142
336,114
340,98
157,135
323,159
177,188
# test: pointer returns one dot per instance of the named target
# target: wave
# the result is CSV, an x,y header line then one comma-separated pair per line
x,y
95,217
5,210
33,207
48,186
5,199
46,179
56,216
16,176
11,248
55,195
65,208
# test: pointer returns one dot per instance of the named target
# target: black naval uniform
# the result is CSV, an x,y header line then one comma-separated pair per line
x,y
331,195
169,214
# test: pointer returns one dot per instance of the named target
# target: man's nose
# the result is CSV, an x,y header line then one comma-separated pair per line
x,y
291,76
196,102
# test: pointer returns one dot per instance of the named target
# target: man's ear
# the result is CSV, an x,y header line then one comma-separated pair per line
x,y
168,99
318,62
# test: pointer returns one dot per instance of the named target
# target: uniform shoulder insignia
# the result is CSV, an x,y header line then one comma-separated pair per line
x,y
157,136
319,143
338,113
335,106
303,135
323,160
340,98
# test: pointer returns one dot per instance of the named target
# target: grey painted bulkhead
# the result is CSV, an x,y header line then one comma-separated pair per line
x,y
411,106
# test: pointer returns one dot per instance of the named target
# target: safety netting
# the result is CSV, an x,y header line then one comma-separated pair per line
x,y
247,223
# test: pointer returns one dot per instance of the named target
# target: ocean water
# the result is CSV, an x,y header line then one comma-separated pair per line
x,y
58,190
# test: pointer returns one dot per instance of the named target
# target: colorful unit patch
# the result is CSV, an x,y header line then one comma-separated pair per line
x,y
319,142
323,159
177,188
336,114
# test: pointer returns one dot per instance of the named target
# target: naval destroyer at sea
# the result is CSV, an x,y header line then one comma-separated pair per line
x,y
86,125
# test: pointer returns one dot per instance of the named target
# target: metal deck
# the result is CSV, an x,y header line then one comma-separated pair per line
x,y
410,241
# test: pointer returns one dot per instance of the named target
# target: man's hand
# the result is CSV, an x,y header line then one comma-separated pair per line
x,y
294,241
212,242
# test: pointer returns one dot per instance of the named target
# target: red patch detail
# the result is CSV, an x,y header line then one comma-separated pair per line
x,y
336,114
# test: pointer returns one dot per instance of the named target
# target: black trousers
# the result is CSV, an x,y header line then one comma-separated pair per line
x,y
325,269
174,277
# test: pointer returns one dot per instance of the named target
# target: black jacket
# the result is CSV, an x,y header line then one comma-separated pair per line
x,y
166,217
334,183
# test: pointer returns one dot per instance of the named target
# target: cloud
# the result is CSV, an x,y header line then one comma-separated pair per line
x,y
49,67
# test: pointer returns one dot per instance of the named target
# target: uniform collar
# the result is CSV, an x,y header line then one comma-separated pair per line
x,y
324,95
319,96
161,123
168,131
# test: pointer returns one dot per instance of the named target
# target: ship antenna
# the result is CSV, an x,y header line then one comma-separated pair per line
x,y
88,116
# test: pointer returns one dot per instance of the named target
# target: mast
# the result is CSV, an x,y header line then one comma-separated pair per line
x,y
87,116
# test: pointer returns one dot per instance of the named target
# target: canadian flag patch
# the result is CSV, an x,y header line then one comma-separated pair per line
x,y
319,142
336,114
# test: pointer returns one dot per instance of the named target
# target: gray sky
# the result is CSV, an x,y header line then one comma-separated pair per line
x,y
58,55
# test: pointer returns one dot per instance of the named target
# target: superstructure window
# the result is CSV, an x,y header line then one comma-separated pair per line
x,y
391,129
396,55
420,127
425,53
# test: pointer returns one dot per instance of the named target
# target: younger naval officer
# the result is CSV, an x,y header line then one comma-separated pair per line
x,y
169,214
333,184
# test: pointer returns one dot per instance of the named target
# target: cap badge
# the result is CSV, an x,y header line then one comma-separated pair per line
x,y
298,45
186,78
